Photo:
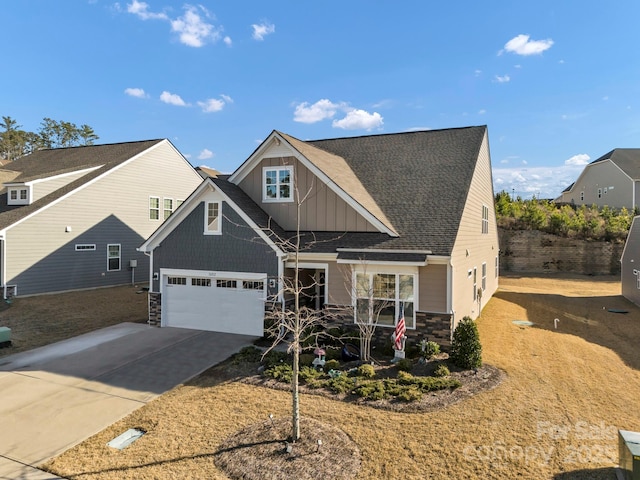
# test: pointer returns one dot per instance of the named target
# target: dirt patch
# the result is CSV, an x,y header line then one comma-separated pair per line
x,y
44,319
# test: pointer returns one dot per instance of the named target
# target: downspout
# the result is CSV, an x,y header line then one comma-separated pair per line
x,y
3,259
282,257
450,297
150,255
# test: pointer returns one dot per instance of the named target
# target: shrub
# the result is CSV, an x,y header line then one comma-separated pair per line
x,y
371,390
307,358
466,350
340,384
308,373
442,371
405,378
429,349
366,371
275,357
282,372
331,365
409,394
404,365
248,354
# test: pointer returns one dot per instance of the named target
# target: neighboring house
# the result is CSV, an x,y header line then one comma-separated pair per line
x,y
72,218
630,264
410,214
613,180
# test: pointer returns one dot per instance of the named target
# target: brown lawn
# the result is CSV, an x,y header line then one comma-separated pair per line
x,y
44,319
554,417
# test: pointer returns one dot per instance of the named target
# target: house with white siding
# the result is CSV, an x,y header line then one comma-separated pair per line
x,y
72,218
411,215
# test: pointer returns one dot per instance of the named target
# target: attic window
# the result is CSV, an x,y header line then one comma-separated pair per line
x,y
18,196
277,184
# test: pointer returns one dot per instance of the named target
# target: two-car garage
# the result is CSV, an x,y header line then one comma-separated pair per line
x,y
230,302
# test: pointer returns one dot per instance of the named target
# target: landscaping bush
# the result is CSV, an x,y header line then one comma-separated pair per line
x,y
371,390
275,357
442,371
466,350
248,354
429,349
282,372
409,394
307,374
366,371
307,358
340,384
404,365
331,365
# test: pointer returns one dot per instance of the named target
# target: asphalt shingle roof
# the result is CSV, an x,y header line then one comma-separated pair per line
x,y
418,180
628,159
46,163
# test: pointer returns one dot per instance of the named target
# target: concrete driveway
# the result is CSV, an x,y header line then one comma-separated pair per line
x,y
54,397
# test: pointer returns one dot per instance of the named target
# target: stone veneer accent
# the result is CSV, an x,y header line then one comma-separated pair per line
x,y
155,309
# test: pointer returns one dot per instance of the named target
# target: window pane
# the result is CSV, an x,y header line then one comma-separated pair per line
x,y
213,216
362,285
271,191
23,194
385,311
406,287
271,177
408,314
285,176
362,310
114,264
114,251
154,202
384,286
14,194
285,191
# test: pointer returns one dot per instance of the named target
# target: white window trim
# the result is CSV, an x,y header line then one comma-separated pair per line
x,y
170,210
17,191
485,219
397,271
158,209
207,231
483,281
278,199
85,247
119,257
475,283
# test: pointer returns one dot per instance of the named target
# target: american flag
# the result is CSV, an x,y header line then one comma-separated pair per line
x,y
400,328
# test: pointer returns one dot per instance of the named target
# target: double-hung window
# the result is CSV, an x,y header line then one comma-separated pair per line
x,y
277,184
154,208
213,222
381,297
484,277
113,257
485,219
168,207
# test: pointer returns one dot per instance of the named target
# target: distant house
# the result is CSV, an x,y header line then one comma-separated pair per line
x,y
613,180
630,264
409,214
72,218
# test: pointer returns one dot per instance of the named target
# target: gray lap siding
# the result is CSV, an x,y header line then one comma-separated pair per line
x,y
237,249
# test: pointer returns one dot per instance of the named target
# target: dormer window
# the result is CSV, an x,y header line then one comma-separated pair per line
x,y
18,196
277,185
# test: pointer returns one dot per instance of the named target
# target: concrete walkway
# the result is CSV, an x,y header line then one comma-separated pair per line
x,y
54,397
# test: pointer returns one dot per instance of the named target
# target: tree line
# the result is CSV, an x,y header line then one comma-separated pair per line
x,y
16,142
573,221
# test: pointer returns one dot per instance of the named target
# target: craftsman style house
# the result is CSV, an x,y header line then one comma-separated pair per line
x,y
409,214
630,264
72,218
613,180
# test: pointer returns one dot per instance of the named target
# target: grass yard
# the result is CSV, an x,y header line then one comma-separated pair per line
x,y
555,416
44,319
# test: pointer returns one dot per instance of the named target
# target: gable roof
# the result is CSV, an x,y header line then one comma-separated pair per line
x,y
627,159
420,180
47,163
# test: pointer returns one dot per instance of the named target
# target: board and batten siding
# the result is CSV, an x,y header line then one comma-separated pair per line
x,y
432,288
238,249
323,210
42,188
472,248
604,176
630,264
114,209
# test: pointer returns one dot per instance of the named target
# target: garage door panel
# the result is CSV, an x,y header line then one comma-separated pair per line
x,y
231,310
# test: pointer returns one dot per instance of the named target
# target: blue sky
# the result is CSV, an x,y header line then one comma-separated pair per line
x,y
557,82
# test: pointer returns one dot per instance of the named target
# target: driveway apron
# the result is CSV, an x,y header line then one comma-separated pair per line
x,y
54,397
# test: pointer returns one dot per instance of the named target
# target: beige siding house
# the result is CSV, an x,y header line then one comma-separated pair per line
x,y
613,180
72,218
409,214
630,264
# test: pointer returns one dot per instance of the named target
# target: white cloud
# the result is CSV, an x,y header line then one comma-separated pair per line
x,y
215,104
172,99
477,73
135,92
482,111
227,41
205,154
192,27
262,30
226,98
523,45
357,119
502,79
543,182
580,159
317,112
141,9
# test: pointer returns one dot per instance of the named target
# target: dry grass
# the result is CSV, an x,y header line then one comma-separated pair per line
x,y
554,416
44,319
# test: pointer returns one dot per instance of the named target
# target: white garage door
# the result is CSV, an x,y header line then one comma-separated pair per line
x,y
216,301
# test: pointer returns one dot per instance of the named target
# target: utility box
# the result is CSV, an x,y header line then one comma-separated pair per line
x,y
629,454
5,337
133,263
